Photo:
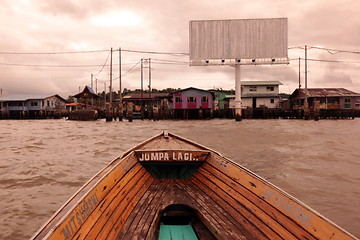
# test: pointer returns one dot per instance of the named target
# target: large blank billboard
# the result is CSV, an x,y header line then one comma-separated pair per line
x,y
239,39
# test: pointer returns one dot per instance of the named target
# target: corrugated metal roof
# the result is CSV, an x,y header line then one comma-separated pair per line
x,y
328,92
145,95
255,96
24,97
260,83
190,88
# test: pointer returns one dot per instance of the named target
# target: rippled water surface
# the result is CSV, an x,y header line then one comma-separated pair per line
x,y
44,162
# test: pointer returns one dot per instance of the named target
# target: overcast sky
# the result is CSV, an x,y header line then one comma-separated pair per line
x,y
92,27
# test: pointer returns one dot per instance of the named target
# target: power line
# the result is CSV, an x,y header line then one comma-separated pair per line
x,y
331,61
103,81
103,65
325,60
153,52
165,61
335,51
290,48
53,53
48,66
93,51
331,51
131,68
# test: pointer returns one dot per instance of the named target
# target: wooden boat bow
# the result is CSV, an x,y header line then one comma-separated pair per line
x,y
170,185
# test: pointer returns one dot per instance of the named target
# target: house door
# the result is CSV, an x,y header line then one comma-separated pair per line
x,y
254,102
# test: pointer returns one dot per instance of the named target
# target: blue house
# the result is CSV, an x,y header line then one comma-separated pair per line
x,y
31,106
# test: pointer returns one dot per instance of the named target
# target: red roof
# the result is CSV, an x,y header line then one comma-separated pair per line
x,y
74,104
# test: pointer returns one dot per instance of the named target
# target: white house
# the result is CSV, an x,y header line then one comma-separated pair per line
x,y
255,94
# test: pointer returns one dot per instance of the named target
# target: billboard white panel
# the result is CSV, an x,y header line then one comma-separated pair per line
x,y
239,39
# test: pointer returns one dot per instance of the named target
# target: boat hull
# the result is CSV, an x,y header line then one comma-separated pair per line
x,y
169,183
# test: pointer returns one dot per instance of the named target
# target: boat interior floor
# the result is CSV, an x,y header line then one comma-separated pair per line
x,y
180,203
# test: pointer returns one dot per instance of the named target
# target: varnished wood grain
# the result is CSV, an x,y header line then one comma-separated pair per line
x,y
264,214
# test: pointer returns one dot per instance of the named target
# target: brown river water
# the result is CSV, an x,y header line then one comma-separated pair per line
x,y
44,162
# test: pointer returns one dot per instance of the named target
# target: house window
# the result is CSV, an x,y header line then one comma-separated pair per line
x,y
252,89
48,103
270,89
34,103
272,100
347,102
178,99
191,99
205,99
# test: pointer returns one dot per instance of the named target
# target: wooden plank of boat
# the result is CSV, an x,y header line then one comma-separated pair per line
x,y
171,185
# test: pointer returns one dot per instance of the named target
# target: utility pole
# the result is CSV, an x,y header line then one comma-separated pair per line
x,y
109,112
299,75
306,99
105,94
92,99
111,97
96,91
150,101
120,88
91,80
142,90
306,104
120,109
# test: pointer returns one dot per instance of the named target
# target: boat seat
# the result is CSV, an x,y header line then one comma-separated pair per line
x,y
177,232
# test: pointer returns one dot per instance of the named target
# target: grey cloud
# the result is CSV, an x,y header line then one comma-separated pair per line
x,y
66,25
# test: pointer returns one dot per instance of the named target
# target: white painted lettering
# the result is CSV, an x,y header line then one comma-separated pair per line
x,y
154,156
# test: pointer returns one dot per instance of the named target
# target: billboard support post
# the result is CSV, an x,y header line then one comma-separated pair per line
x,y
238,116
236,42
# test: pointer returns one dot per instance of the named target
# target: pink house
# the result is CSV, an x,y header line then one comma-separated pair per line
x,y
192,98
188,103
